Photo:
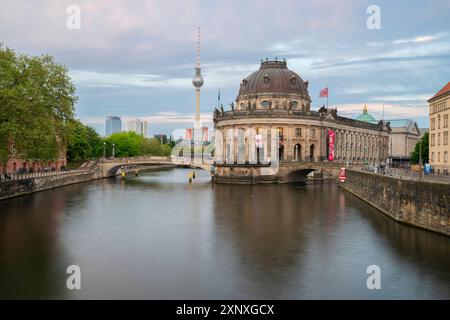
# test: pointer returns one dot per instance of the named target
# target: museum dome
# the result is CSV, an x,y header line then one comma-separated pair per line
x,y
273,77
366,117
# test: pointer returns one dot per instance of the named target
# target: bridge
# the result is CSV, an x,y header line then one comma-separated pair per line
x,y
283,171
280,171
131,165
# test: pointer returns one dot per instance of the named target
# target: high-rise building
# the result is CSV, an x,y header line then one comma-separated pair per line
x,y
113,124
439,147
139,126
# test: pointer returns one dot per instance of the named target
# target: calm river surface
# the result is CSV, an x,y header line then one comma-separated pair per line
x,y
157,237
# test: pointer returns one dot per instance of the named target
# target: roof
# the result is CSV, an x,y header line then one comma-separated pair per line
x,y
403,125
441,92
399,123
273,77
366,117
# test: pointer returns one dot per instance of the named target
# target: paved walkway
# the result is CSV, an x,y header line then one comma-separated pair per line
x,y
410,175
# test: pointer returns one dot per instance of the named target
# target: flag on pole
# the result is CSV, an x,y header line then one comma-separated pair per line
x,y
324,93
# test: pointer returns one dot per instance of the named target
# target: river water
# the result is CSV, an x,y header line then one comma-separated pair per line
x,y
157,237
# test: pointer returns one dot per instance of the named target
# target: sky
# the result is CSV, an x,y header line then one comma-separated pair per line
x,y
136,58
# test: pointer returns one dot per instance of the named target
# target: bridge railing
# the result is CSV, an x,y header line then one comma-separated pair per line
x,y
131,159
41,174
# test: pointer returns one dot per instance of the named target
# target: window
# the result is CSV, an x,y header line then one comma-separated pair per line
x,y
293,80
446,121
280,132
265,104
266,78
439,122
298,132
433,123
294,104
432,156
312,132
446,138
432,140
446,156
439,139
439,157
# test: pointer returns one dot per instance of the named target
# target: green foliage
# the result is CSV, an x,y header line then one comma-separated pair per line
x,y
130,144
37,101
83,142
415,155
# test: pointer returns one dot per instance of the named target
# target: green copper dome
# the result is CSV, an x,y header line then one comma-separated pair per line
x,y
366,117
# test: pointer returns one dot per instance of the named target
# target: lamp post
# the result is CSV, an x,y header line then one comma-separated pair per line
x,y
114,150
104,150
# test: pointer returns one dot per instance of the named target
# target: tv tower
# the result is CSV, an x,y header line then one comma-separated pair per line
x,y
197,81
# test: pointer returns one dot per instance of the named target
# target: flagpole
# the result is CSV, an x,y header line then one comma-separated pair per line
x,y
328,93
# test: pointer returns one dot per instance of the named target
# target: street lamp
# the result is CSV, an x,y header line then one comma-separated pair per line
x,y
114,149
104,150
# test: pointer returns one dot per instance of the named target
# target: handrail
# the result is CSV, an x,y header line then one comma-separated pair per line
x,y
34,175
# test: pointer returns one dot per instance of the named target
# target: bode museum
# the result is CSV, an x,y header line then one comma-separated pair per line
x,y
271,134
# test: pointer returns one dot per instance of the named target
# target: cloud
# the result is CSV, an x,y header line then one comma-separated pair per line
x,y
407,97
157,118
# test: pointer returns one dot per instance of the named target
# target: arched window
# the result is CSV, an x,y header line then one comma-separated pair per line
x,y
266,79
297,152
311,152
281,152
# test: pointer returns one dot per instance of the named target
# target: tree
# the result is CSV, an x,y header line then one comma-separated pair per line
x,y
415,155
37,101
83,142
130,144
126,144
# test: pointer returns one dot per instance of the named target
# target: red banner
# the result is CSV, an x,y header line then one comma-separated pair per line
x,y
331,138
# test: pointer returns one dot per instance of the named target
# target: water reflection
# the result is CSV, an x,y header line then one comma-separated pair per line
x,y
156,236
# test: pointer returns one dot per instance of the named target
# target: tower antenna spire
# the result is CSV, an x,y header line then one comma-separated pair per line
x,y
198,47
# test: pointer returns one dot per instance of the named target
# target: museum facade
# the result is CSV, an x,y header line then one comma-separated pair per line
x,y
272,123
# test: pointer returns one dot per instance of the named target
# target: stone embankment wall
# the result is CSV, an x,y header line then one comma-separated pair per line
x,y
15,188
423,204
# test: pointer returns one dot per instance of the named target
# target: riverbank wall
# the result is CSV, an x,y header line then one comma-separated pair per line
x,y
422,204
19,187
9,189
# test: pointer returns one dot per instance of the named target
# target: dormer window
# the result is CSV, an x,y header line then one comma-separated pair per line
x,y
266,78
293,80
244,82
